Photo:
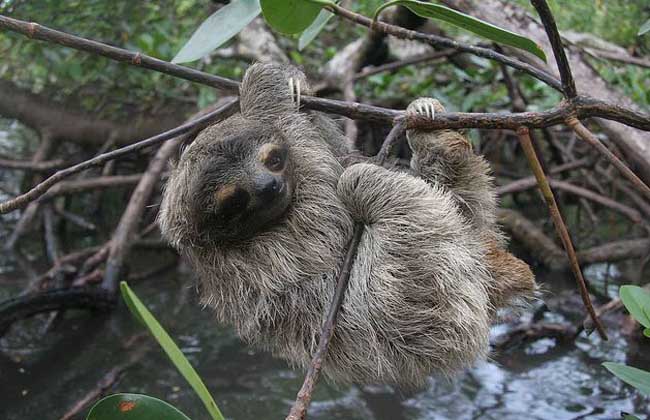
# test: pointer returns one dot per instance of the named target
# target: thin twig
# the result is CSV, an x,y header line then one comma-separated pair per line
x,y
396,65
588,136
582,106
40,189
562,231
36,31
439,41
303,399
545,14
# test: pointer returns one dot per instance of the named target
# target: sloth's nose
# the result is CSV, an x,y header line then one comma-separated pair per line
x,y
268,186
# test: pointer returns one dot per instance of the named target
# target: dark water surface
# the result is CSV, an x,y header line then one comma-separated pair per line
x,y
42,378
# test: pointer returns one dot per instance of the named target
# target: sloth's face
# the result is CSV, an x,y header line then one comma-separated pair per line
x,y
243,184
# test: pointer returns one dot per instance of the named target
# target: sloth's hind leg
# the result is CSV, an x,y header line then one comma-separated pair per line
x,y
445,158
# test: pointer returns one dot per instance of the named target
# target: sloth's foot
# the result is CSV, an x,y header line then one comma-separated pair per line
x,y
294,89
426,107
449,142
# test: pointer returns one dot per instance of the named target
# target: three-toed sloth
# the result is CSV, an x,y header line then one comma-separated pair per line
x,y
263,207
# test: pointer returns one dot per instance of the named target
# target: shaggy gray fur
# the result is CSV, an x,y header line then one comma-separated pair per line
x,y
430,271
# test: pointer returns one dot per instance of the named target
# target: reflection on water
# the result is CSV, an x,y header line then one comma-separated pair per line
x,y
543,380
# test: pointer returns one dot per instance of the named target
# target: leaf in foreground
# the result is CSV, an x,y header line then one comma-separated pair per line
x,y
637,303
218,29
173,352
290,16
314,29
644,28
470,23
640,379
134,407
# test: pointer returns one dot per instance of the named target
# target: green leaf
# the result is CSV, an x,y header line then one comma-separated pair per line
x,y
218,28
646,332
314,29
291,16
629,417
644,28
173,352
472,24
640,379
637,303
134,407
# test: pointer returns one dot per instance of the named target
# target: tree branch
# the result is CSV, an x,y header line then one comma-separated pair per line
x,y
303,399
587,136
561,228
193,126
439,41
568,84
582,106
36,31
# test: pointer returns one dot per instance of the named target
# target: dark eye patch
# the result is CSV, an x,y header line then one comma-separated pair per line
x,y
273,157
231,201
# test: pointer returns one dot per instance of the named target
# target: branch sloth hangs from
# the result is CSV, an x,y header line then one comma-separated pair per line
x,y
263,207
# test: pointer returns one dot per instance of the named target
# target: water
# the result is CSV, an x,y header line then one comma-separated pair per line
x,y
42,378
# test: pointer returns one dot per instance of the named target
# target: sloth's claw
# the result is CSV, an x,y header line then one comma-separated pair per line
x,y
425,107
294,90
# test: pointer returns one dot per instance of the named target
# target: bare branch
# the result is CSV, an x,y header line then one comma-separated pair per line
x,y
395,65
587,136
196,125
439,41
582,106
568,84
303,399
36,31
562,231
28,165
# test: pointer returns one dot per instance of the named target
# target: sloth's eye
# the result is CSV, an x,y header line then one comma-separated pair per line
x,y
273,157
275,161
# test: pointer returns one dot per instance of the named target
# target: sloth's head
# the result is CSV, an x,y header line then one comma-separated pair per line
x,y
234,181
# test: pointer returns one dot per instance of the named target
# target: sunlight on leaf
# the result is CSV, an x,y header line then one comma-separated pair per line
x,y
644,28
467,22
134,407
173,352
637,303
638,378
218,29
314,29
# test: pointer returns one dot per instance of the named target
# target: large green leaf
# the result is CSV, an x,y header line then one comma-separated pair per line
x,y
314,29
637,302
640,379
291,16
644,28
173,352
218,28
134,407
472,24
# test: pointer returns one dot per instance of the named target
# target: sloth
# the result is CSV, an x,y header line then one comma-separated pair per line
x,y
263,206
